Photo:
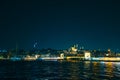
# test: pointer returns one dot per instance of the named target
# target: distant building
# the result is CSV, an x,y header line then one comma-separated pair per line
x,y
73,49
62,55
87,55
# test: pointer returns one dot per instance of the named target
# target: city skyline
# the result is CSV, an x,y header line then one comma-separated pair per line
x,y
60,24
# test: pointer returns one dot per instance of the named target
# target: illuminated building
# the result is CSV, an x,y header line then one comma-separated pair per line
x,y
62,56
87,55
73,49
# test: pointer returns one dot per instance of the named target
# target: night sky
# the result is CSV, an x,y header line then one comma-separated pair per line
x,y
94,24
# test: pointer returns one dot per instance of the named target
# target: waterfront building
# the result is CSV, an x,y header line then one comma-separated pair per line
x,y
87,55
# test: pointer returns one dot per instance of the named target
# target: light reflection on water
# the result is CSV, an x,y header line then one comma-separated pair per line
x,y
47,70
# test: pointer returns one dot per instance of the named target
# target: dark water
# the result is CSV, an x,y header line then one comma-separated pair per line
x,y
53,70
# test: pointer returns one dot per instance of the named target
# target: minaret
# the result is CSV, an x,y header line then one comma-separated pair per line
x,y
35,44
109,52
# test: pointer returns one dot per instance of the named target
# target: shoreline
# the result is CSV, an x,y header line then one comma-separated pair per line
x,y
61,60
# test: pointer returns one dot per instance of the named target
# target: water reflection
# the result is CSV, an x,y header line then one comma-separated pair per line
x,y
74,70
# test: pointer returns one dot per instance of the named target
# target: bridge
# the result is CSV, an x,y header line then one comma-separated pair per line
x,y
75,57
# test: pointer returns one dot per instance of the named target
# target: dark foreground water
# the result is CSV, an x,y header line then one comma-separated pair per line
x,y
54,70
